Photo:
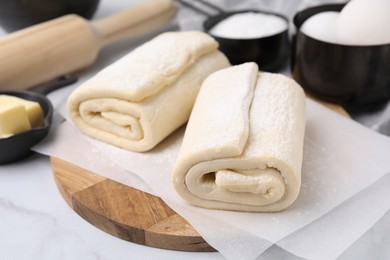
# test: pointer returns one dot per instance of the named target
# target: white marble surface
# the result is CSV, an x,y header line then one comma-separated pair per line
x,y
36,222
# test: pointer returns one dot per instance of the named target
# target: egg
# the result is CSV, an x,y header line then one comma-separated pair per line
x,y
322,26
365,22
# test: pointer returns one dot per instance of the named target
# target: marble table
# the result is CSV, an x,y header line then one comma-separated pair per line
x,y
36,222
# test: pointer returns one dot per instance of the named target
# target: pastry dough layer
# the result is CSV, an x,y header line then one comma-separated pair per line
x,y
142,98
243,145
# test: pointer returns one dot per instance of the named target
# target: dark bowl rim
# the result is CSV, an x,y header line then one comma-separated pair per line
x,y
11,25
344,45
47,116
207,26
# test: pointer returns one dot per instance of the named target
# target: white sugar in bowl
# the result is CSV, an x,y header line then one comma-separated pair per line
x,y
252,35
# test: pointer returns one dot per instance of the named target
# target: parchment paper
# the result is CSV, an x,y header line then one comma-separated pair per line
x,y
341,158
330,235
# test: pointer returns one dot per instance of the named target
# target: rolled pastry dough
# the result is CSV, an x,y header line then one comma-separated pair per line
x,y
142,98
243,144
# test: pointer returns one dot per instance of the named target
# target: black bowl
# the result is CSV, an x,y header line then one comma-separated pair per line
x,y
18,146
271,53
18,14
339,73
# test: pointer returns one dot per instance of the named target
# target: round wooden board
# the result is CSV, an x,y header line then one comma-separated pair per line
x,y
128,213
125,212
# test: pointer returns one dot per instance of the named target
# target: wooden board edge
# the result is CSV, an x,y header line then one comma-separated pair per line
x,y
173,233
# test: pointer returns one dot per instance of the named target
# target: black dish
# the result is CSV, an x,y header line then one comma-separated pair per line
x,y
18,14
340,73
271,53
18,146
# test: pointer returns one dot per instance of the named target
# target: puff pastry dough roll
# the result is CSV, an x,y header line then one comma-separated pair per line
x,y
243,145
139,100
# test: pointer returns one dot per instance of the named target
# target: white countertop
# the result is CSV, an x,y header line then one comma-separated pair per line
x,y
36,222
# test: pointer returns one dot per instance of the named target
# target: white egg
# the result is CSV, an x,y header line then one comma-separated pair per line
x,y
322,26
365,22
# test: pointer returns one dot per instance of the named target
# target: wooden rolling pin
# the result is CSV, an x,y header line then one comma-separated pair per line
x,y
43,52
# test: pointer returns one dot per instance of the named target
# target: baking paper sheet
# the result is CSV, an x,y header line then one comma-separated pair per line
x,y
330,235
68,144
341,158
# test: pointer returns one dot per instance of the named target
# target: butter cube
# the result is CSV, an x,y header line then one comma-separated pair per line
x,y
13,120
33,109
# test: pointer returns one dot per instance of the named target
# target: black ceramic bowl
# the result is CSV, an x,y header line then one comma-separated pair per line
x,y
18,14
18,146
340,73
271,53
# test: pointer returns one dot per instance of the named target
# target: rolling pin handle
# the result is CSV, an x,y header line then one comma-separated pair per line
x,y
134,21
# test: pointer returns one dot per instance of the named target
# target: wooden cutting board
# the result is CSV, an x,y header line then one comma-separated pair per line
x,y
128,213
125,212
